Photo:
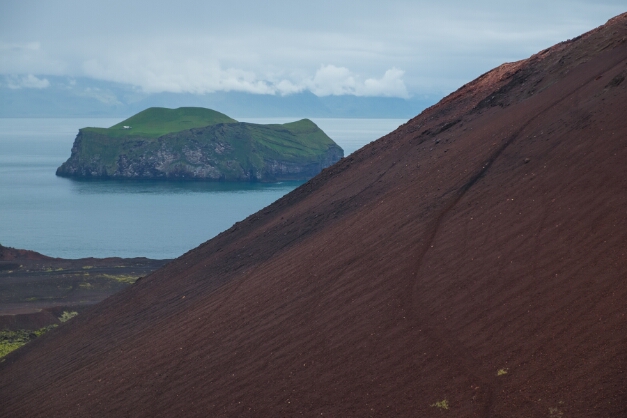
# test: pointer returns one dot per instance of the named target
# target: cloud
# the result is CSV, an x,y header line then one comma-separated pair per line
x,y
397,48
101,95
391,85
190,76
200,76
19,46
330,80
28,81
286,87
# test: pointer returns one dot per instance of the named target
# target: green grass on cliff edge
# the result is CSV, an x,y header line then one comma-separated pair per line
x,y
157,121
300,139
174,131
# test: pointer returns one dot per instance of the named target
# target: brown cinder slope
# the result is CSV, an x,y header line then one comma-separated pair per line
x,y
475,255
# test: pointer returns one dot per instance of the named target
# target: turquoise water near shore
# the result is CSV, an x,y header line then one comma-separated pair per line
x,y
68,218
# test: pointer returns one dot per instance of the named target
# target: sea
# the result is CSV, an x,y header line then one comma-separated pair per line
x,y
70,218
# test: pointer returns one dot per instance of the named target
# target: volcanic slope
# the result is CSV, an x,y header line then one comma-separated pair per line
x,y
470,264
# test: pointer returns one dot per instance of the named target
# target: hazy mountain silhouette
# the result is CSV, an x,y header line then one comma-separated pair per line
x,y
84,97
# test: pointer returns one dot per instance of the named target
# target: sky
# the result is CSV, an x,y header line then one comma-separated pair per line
x,y
393,48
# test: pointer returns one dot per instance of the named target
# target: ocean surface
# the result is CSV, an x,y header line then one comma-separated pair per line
x,y
68,218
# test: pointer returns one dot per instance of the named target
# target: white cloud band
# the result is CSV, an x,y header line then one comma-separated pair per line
x,y
193,77
27,81
337,81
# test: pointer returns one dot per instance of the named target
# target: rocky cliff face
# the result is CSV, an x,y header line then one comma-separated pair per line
x,y
224,152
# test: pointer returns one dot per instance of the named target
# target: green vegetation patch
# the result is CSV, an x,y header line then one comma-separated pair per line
x,y
443,404
121,278
6,347
197,143
12,340
67,315
297,139
157,121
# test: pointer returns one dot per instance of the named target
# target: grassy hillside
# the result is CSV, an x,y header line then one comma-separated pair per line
x,y
157,121
299,139
200,144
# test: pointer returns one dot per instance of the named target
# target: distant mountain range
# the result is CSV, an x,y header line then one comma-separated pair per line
x,y
83,97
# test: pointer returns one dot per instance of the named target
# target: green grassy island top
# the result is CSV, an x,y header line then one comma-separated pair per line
x,y
157,121
200,144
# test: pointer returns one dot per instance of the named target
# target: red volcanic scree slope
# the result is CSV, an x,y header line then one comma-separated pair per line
x,y
472,263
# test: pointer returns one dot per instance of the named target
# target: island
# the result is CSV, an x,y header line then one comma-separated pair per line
x,y
193,143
